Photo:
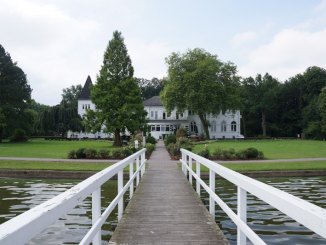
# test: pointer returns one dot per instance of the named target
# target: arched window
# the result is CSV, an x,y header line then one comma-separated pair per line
x,y
213,126
223,126
233,126
193,127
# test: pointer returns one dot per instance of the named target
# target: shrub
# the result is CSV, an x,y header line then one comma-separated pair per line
x,y
150,139
90,153
217,154
118,153
19,135
170,139
251,152
184,143
103,154
174,149
127,151
181,132
204,153
72,154
80,153
149,149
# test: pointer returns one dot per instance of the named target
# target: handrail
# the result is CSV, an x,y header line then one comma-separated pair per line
x,y
306,213
25,226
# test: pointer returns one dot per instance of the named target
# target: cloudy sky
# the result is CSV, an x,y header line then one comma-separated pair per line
x,y
59,42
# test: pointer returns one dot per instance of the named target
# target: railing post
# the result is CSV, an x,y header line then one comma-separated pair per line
x,y
96,214
142,160
212,187
242,213
131,173
190,166
183,158
198,174
120,186
137,167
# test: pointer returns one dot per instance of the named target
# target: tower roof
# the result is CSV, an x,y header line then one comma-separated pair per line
x,y
86,91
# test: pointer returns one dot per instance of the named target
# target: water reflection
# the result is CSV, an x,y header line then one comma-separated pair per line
x,y
270,224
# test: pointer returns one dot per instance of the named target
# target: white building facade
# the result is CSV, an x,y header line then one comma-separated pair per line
x,y
222,126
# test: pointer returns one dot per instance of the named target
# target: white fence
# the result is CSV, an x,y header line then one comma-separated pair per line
x,y
24,227
307,214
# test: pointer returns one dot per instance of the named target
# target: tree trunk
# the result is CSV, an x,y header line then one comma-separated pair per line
x,y
205,125
263,122
117,138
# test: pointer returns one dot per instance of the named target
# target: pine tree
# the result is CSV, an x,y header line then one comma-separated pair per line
x,y
116,94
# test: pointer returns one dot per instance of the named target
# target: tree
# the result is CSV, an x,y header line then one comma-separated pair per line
x,y
14,96
70,96
116,94
200,82
150,88
322,109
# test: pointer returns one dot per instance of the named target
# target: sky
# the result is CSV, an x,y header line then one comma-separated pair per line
x,y
58,43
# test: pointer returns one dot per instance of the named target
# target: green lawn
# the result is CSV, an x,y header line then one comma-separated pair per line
x,y
259,166
272,149
48,148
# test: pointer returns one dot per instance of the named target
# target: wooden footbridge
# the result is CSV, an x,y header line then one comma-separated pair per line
x,y
164,209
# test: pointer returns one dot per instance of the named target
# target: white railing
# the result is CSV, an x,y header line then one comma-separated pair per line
x,y
307,214
24,227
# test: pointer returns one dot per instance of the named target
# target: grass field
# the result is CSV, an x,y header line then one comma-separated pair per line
x,y
48,148
273,149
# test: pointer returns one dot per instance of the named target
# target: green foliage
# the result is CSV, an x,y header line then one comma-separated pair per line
x,y
199,81
116,94
149,149
204,153
150,88
19,135
322,110
118,153
72,154
14,96
90,153
80,153
70,96
171,138
150,139
103,154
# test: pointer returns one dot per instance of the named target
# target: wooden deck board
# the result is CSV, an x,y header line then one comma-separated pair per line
x,y
166,210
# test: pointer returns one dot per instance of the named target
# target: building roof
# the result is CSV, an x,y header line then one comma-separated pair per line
x,y
154,101
86,91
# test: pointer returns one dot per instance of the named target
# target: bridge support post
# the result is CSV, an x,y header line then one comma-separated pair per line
x,y
212,187
198,174
242,213
190,174
183,158
137,167
120,186
131,173
142,160
96,214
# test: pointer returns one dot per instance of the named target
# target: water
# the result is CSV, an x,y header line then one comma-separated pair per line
x,y
270,224
17,196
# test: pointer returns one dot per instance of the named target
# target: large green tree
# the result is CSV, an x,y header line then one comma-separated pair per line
x,y
200,82
15,93
150,88
70,96
116,94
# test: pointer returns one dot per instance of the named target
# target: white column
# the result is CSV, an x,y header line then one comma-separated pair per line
x,y
198,174
190,166
120,186
138,174
242,213
96,214
131,173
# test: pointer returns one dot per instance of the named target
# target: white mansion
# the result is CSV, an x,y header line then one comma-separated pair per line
x,y
222,126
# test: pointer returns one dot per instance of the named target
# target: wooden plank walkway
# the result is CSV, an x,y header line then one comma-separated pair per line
x,y
165,209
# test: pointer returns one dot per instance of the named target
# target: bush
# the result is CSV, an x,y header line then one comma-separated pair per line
x,y
170,139
80,153
72,154
251,152
181,132
19,135
127,151
150,139
103,154
217,154
118,153
184,143
90,153
204,153
149,149
174,149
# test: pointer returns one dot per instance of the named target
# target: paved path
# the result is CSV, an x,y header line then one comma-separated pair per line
x,y
166,210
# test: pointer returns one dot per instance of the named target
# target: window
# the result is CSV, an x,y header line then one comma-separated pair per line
x,y
156,116
158,127
223,126
153,128
193,127
177,115
152,114
83,106
213,126
233,126
164,115
167,128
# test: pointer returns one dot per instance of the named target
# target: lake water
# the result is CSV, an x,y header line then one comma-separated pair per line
x,y
17,196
